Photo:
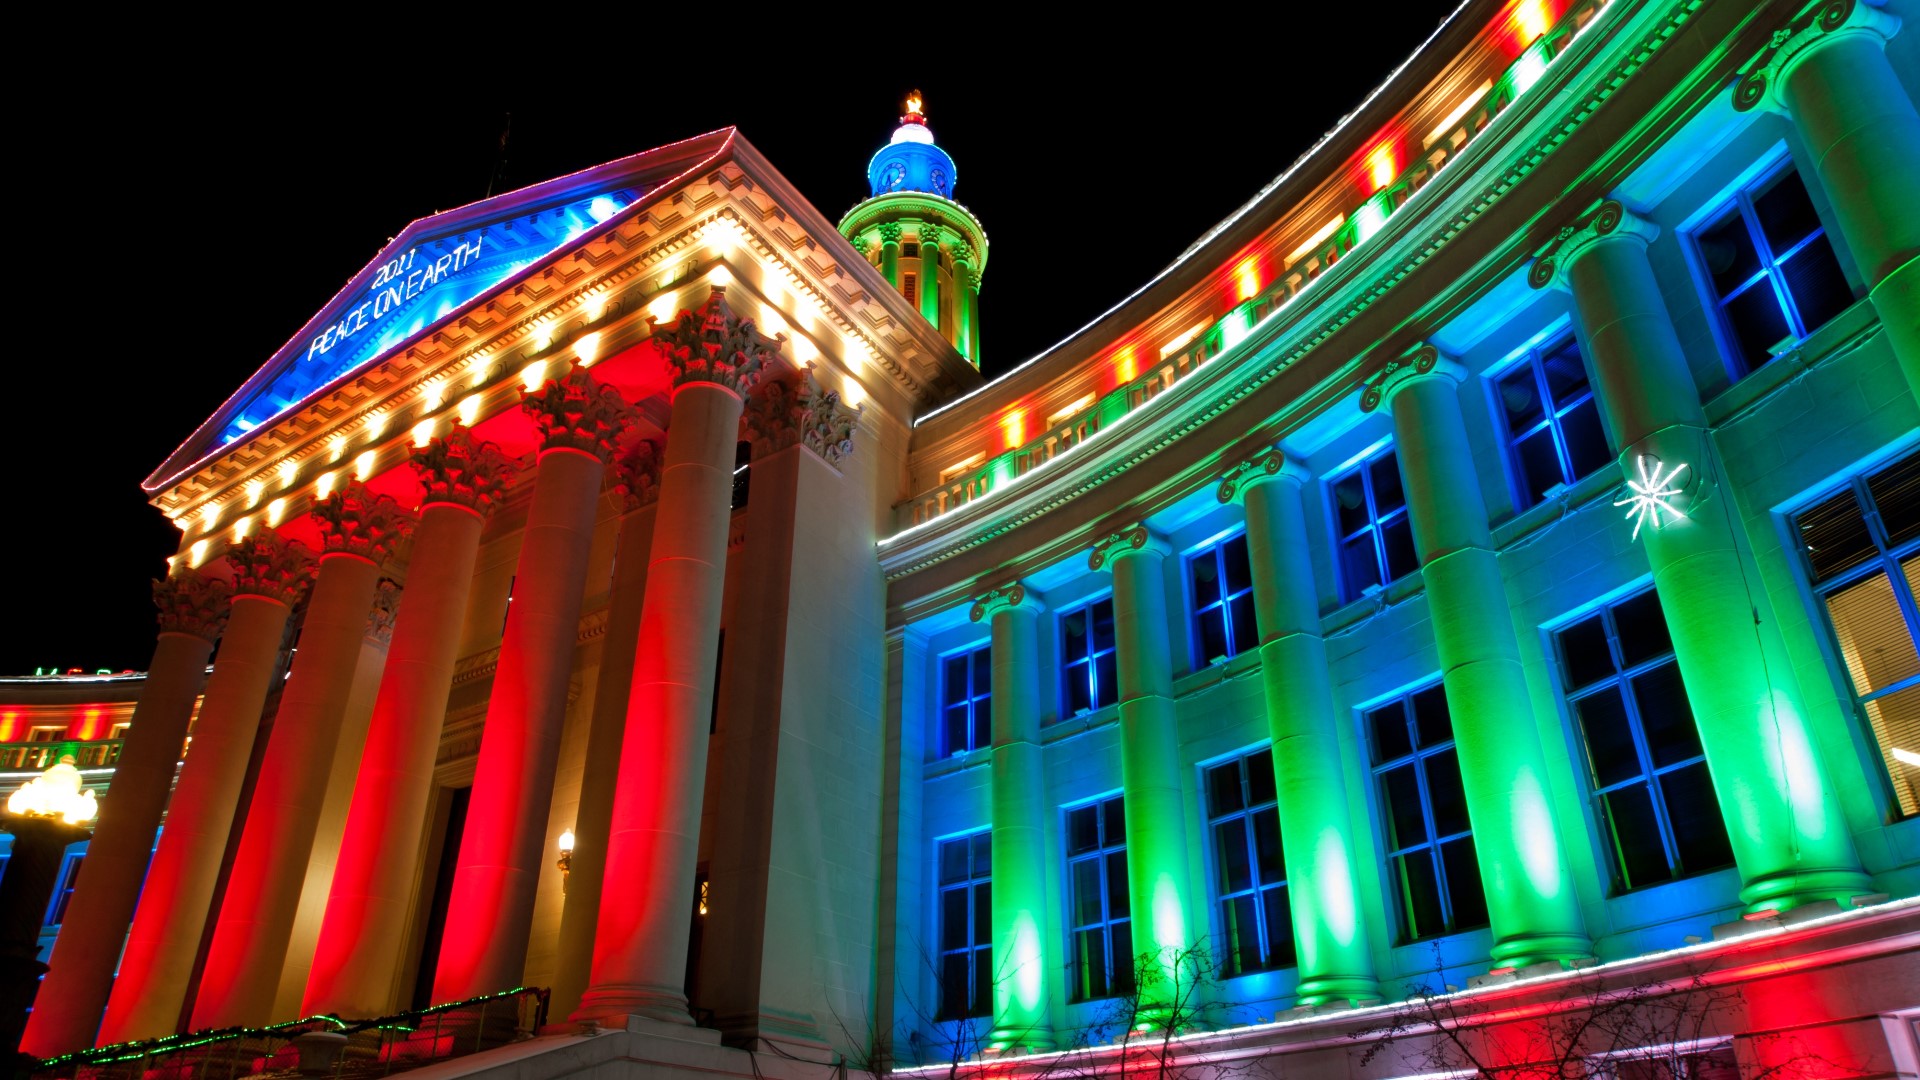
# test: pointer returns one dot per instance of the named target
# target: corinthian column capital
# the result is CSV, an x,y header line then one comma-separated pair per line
x,y
265,564
889,232
1269,464
460,469
1604,220
1817,24
713,345
577,412
1135,540
797,409
191,602
637,473
355,521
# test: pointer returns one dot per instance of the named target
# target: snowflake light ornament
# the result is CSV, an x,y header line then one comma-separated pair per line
x,y
1653,493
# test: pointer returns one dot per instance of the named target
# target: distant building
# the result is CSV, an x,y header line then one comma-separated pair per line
x,y
1485,565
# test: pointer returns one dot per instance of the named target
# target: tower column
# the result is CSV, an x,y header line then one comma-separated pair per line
x,y
1159,890
269,577
1331,935
1790,839
1021,958
890,252
250,939
358,954
1832,78
640,947
80,973
490,912
639,471
1523,868
966,301
930,275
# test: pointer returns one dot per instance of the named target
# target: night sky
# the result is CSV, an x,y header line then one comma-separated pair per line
x,y
192,212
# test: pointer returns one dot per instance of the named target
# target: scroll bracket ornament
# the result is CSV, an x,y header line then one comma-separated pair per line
x,y
1127,541
355,521
267,565
1270,464
1813,25
1014,595
578,412
1606,218
714,345
191,602
460,469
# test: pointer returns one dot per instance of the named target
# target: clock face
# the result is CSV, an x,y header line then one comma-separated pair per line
x,y
940,181
896,175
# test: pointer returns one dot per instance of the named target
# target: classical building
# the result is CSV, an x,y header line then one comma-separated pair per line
x,y
1461,614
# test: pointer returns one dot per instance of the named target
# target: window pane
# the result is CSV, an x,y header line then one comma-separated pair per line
x,y
1538,461
1786,214
1584,653
1230,853
954,997
1430,717
953,862
1566,374
1210,628
955,682
1895,720
1444,789
1665,717
1239,571
1246,632
1419,893
1279,915
1350,503
1384,472
1463,883
1090,960
983,913
1520,402
1087,893
1727,249
1103,625
1073,627
1106,679
1875,642
1699,834
1758,323
1610,751
1079,691
982,672
1835,535
1114,815
983,722
955,729
1123,957
982,1004
1083,829
1269,858
1223,789
1390,736
1242,930
1586,440
1401,559
1406,824
1117,900
1359,566
1203,570
953,920
1260,777
982,854
1642,628
1633,831
1896,493
1818,287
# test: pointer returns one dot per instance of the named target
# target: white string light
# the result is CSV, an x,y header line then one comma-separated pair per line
x,y
1652,494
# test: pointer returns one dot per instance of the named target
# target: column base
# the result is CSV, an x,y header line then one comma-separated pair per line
x,y
1788,890
1009,1039
1338,990
615,1005
1526,950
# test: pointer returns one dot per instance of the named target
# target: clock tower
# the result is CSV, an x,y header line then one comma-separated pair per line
x,y
929,247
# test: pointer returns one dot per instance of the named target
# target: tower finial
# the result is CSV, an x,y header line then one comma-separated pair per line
x,y
914,105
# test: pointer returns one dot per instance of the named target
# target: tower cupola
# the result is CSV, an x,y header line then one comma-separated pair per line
x,y
928,246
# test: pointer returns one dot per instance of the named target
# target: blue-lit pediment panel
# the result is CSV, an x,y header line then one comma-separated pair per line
x,y
416,282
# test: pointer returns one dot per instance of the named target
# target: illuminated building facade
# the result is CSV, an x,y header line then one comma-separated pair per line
x,y
1489,559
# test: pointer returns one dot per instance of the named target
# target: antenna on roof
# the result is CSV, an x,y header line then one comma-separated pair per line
x,y
499,174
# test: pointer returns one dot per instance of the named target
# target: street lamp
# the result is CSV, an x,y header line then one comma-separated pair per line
x,y
565,861
44,815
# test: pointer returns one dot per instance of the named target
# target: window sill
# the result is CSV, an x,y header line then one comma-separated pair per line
x,y
1357,611
1856,321
946,766
1595,485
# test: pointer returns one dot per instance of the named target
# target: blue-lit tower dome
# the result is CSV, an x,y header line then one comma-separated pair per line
x,y
929,247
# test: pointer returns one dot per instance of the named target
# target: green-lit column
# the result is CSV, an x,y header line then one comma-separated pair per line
x,y
966,296
1789,837
1020,960
1831,76
1158,887
930,275
1530,898
890,252
1330,932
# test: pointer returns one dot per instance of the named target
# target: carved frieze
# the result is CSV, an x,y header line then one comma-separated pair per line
x,y
191,602
578,412
266,564
355,521
458,468
715,345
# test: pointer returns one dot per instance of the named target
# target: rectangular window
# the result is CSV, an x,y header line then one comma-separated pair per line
x,y
966,926
1249,871
1862,547
1429,842
908,288
1222,584
1551,421
1670,1063
966,700
1098,914
1771,268
68,879
1374,534
1652,794
1089,675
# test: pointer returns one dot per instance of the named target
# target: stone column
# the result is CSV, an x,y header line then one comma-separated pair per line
x,y
359,531
1523,868
1789,836
362,937
490,912
638,468
1828,71
66,1013
640,945
269,577
930,275
1332,936
1158,886
1021,959
966,300
890,252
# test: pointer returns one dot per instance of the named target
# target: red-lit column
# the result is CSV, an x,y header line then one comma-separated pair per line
x,y
639,472
80,972
269,576
363,936
640,950
250,938
491,910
